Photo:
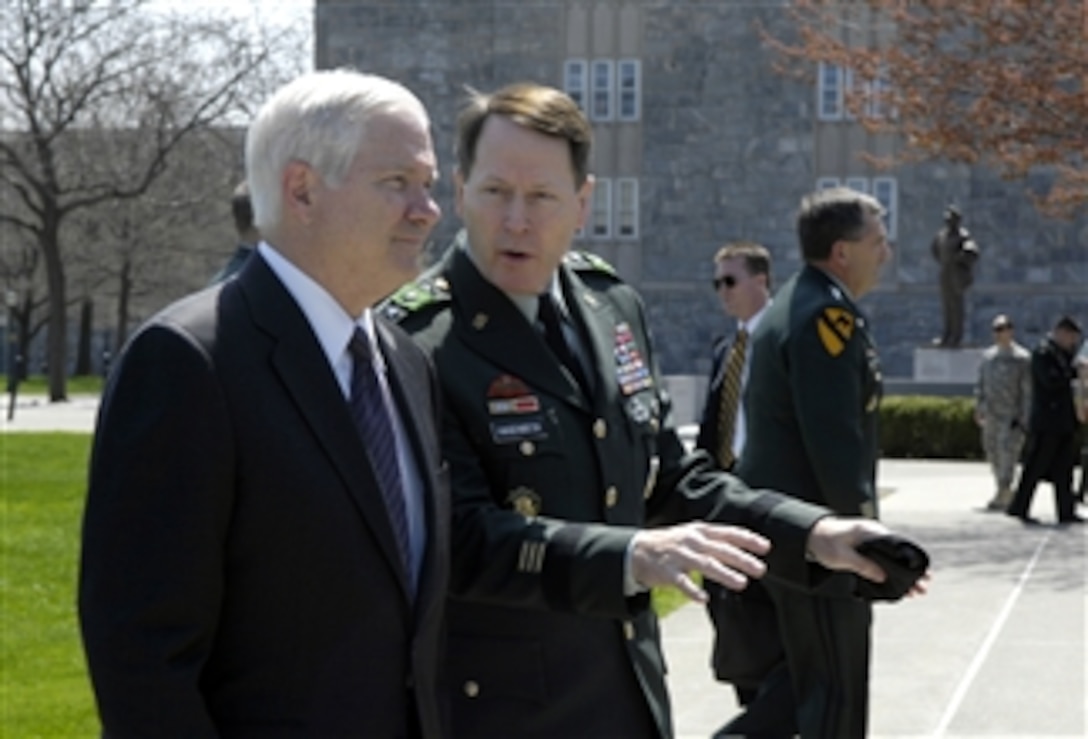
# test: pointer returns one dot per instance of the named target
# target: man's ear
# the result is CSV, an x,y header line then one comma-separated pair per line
x,y
458,190
299,185
840,252
585,200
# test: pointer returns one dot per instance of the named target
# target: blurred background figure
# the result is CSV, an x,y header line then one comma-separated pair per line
x,y
1052,428
242,210
1002,406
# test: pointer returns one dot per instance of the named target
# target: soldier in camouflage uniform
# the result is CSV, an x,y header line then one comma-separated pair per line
x,y
1002,406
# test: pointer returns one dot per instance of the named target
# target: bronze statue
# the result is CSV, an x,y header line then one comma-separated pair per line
x,y
956,252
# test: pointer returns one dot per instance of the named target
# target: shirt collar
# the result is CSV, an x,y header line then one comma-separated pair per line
x,y
331,324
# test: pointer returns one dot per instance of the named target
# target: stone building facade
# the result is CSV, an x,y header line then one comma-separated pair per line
x,y
701,142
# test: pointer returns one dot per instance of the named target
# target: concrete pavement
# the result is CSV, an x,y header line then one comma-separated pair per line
x,y
36,413
996,649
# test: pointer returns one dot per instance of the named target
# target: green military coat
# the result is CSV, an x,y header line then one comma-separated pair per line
x,y
549,487
812,398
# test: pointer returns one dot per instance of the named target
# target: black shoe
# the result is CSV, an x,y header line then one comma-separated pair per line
x,y
1027,520
1074,519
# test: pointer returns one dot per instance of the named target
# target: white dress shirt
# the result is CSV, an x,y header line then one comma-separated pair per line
x,y
334,329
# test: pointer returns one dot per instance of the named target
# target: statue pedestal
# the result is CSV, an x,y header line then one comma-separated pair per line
x,y
936,364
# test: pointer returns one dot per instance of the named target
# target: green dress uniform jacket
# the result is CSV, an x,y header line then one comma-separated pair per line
x,y
550,486
812,402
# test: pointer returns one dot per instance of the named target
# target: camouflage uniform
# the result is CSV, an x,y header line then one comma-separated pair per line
x,y
1003,405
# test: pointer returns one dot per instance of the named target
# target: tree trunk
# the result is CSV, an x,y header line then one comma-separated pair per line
x,y
56,355
83,348
124,293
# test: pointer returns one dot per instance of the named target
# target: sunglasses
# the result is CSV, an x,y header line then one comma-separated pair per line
x,y
728,281
1006,327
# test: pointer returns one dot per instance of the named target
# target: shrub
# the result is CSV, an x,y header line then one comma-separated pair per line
x,y
926,427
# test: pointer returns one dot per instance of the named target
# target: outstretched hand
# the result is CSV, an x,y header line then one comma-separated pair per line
x,y
725,554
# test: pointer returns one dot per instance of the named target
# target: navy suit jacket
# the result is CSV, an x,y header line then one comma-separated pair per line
x,y
239,572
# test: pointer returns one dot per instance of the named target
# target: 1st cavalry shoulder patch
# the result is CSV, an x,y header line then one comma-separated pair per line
x,y
835,326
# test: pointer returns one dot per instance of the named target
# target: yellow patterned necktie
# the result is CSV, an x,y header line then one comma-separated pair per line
x,y
730,398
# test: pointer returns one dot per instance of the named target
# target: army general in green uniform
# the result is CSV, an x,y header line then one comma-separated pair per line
x,y
812,400
561,450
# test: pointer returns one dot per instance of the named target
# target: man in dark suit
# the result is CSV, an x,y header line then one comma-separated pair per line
x,y
742,281
811,402
561,449
1052,428
254,564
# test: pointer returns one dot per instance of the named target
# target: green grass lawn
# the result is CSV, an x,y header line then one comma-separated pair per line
x,y
44,690
39,385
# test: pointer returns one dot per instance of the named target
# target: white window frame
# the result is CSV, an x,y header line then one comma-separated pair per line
x,y
879,106
826,183
600,220
602,90
861,184
575,80
829,92
627,210
889,198
629,96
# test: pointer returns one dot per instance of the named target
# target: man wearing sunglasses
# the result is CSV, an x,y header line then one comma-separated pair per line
x,y
742,282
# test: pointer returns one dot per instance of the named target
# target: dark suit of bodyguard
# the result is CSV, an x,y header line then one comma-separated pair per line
x,y
543,640
812,401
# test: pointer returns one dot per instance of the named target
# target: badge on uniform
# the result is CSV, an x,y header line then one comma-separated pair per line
x,y
835,326
631,371
525,501
507,395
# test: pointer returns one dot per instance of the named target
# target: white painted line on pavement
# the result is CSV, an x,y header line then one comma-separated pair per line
x,y
988,642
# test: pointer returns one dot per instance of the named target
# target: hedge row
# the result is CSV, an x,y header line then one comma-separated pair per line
x,y
930,427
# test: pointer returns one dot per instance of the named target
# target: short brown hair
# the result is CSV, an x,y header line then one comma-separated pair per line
x,y
530,105
830,215
757,260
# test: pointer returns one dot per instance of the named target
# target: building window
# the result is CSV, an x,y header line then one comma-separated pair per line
x,y
861,184
833,85
627,208
600,226
829,92
630,89
602,90
879,96
574,81
886,190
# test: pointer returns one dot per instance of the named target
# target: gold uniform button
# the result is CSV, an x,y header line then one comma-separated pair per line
x,y
472,688
527,448
479,321
600,428
629,630
611,496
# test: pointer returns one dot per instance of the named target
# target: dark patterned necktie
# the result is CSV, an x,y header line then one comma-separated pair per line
x,y
730,398
372,419
549,318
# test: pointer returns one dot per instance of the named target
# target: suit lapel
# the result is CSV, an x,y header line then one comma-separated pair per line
x,y
493,327
597,323
308,380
